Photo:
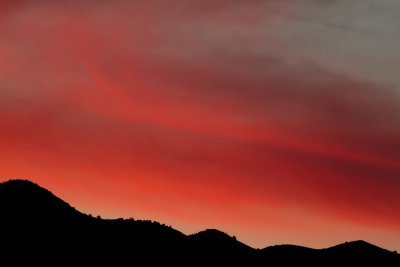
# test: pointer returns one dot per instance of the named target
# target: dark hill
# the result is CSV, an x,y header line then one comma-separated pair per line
x,y
216,245
214,240
23,202
36,227
34,221
358,252
357,248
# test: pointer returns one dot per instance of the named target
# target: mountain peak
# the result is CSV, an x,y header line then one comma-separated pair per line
x,y
359,243
358,249
219,243
21,199
19,182
212,232
356,244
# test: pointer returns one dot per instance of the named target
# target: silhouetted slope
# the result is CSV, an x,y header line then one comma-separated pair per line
x,y
24,202
216,245
215,240
37,227
35,221
356,248
358,252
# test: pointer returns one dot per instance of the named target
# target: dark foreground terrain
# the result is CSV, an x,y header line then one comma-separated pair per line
x,y
36,227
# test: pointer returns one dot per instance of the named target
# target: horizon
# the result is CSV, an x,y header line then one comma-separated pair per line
x,y
187,234
274,121
100,216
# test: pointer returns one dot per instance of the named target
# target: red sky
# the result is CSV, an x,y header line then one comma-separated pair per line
x,y
275,121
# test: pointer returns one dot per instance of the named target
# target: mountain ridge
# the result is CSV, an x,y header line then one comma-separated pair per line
x,y
25,205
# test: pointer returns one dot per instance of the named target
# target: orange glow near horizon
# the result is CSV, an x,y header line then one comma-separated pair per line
x,y
200,115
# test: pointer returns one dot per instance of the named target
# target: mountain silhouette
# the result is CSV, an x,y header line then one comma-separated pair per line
x,y
38,227
21,199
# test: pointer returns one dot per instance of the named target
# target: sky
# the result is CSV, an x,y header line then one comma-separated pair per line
x,y
274,121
